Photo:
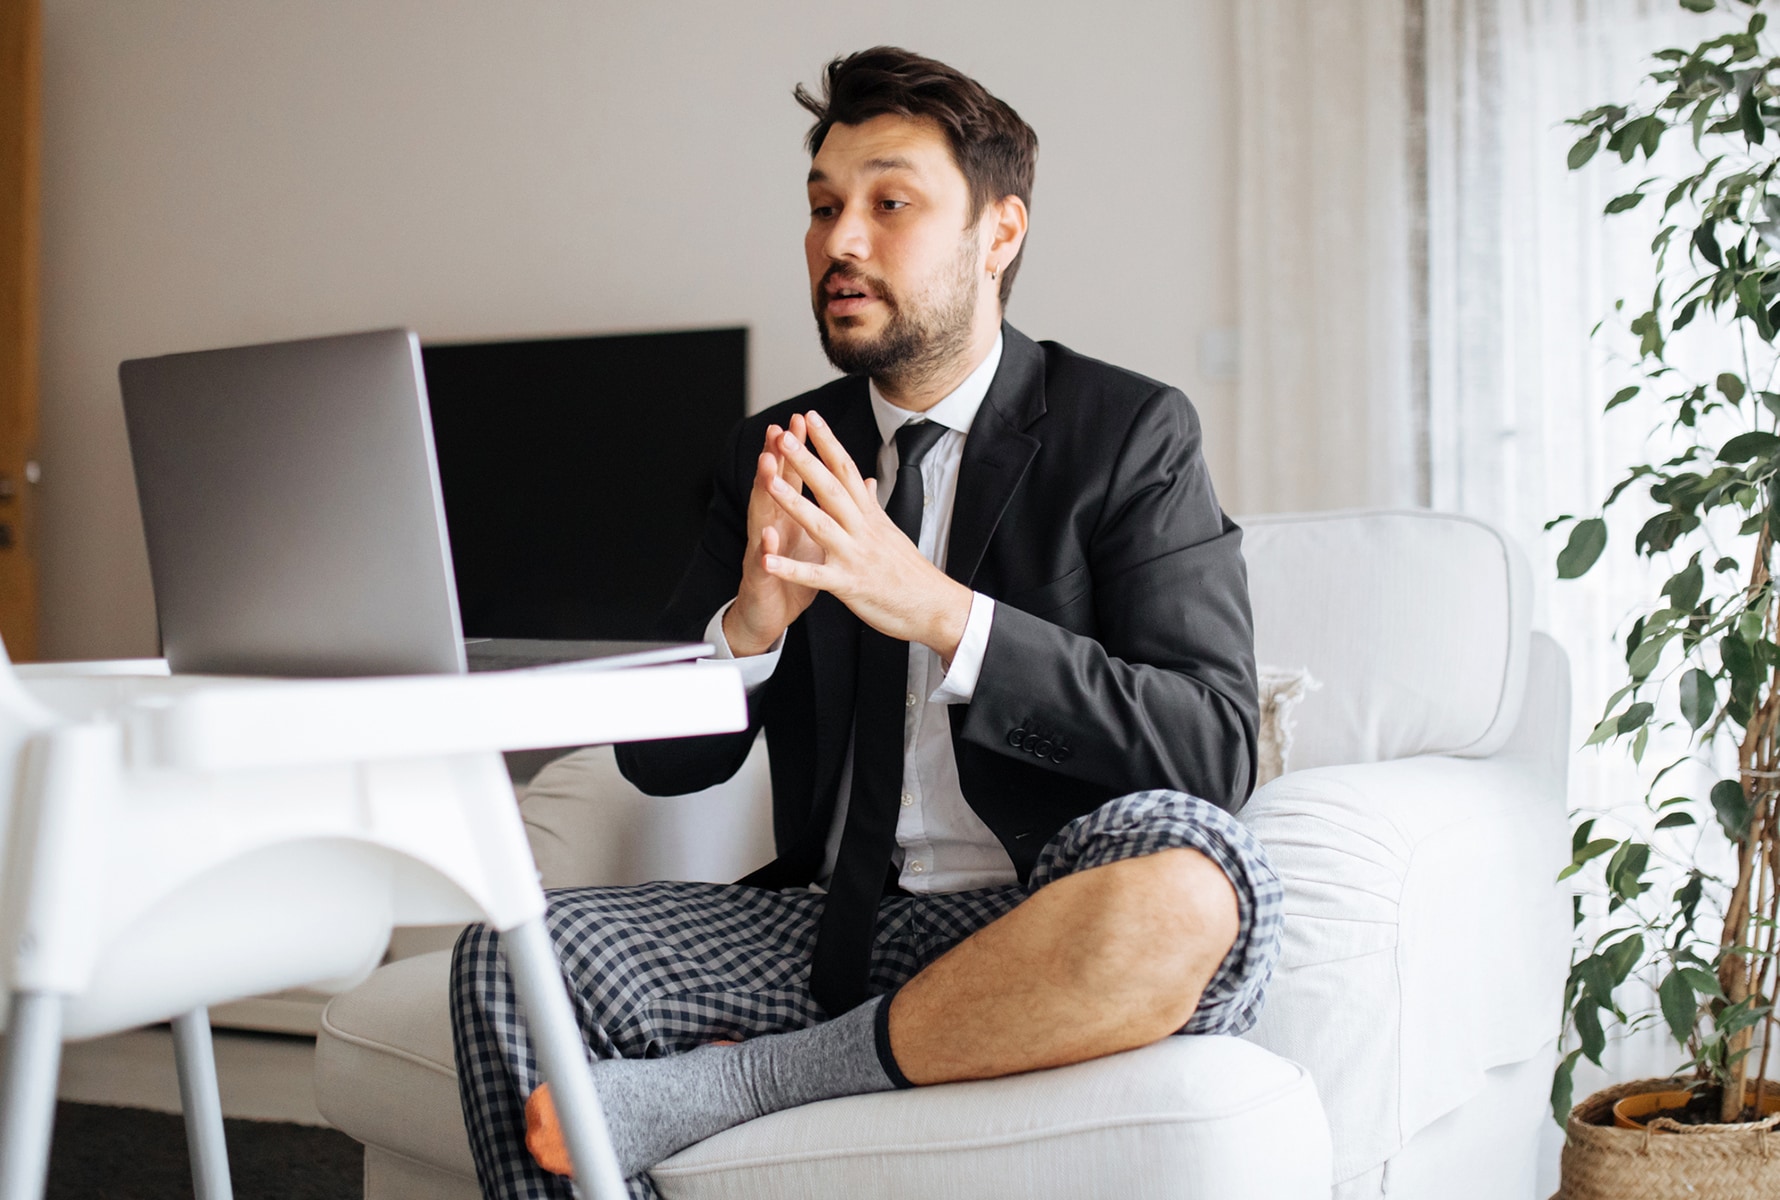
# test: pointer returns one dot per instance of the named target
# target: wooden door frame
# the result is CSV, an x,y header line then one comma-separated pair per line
x,y
21,59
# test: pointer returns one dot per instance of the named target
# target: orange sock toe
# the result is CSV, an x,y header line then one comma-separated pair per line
x,y
543,1132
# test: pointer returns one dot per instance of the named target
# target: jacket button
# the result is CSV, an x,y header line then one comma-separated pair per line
x,y
1017,738
1043,749
1060,755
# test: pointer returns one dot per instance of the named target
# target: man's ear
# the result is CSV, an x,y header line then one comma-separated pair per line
x,y
1007,230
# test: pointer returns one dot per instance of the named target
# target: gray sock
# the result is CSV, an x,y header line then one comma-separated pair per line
x,y
658,1106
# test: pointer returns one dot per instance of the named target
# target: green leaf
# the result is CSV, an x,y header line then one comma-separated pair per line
x,y
1584,150
1683,588
1749,116
1675,820
1642,662
1579,838
1625,871
1698,5
1699,696
1737,1017
1563,1089
1731,386
1703,982
1596,975
1587,540
1635,716
1588,1027
1706,242
1623,955
1679,1006
1620,397
1727,563
1602,731
1745,446
1732,807
1624,203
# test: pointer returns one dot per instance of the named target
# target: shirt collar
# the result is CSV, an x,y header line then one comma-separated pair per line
x,y
956,411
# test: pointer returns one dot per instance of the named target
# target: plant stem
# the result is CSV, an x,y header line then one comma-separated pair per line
x,y
1755,760
1772,932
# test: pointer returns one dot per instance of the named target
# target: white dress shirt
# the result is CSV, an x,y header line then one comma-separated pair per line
x,y
942,845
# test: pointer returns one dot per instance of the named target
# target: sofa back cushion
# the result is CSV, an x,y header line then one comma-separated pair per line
x,y
1415,623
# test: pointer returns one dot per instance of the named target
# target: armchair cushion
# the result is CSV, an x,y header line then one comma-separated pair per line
x,y
1415,623
1190,1118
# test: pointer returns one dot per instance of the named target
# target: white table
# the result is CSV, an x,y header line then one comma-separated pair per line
x,y
137,783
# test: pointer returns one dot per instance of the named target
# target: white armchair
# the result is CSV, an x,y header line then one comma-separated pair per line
x,y
1419,836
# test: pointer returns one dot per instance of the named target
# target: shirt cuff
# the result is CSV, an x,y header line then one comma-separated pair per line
x,y
755,669
960,683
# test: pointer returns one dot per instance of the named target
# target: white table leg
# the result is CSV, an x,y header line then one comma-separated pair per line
x,y
28,1093
202,1104
562,1058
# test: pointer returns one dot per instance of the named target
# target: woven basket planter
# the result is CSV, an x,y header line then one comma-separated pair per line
x,y
1723,1162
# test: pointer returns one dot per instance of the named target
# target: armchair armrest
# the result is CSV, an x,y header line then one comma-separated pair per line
x,y
213,724
1426,937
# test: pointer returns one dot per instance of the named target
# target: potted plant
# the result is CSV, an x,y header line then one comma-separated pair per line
x,y
1698,917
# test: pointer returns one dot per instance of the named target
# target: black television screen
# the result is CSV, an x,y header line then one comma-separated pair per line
x,y
577,471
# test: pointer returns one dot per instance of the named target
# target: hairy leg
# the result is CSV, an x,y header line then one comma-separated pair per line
x,y
1104,960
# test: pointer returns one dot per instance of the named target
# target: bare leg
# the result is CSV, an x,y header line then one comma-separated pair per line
x,y
1109,959
198,1097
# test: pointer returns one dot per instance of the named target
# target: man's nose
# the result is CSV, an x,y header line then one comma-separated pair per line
x,y
849,238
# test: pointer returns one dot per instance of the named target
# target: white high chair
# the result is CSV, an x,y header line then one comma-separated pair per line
x,y
170,843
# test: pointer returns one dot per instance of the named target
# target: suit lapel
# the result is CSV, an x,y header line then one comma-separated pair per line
x,y
997,452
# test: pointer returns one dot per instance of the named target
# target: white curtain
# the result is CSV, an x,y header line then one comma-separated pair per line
x,y
1522,265
1327,400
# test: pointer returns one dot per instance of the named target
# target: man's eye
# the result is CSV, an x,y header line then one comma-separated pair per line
x,y
822,212
892,205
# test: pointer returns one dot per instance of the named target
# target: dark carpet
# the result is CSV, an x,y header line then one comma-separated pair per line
x,y
104,1153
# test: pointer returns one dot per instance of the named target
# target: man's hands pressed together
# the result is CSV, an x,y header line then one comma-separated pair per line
x,y
843,543
766,605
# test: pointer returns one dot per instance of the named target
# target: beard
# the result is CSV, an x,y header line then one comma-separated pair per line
x,y
923,335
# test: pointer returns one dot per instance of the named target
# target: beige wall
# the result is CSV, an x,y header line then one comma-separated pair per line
x,y
218,171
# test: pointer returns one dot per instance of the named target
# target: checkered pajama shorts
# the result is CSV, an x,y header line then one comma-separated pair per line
x,y
665,967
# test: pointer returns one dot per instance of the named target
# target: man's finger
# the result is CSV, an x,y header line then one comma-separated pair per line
x,y
822,527
836,457
801,431
834,497
803,574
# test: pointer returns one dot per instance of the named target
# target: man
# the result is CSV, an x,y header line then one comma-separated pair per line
x,y
1007,685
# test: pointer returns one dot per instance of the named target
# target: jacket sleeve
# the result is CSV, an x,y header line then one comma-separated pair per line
x,y
1163,693
675,766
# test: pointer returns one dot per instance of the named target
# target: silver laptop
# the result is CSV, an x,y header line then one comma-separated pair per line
x,y
290,497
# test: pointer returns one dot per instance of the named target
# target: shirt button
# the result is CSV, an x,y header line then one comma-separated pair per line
x,y
911,699
907,799
916,868
926,500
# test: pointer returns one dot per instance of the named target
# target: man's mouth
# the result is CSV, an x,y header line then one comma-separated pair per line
x,y
847,297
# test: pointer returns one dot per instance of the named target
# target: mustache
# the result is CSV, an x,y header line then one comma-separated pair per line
x,y
850,275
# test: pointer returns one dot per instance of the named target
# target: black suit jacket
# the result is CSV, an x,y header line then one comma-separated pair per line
x,y
1122,651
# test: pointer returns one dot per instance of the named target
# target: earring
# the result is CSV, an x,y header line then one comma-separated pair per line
x,y
993,272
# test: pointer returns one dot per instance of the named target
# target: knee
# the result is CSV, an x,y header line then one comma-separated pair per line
x,y
476,949
1158,928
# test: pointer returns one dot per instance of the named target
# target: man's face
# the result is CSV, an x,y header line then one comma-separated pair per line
x,y
895,274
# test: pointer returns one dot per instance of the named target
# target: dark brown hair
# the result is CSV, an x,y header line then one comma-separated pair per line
x,y
993,147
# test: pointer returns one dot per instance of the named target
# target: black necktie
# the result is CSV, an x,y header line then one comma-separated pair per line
x,y
843,940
